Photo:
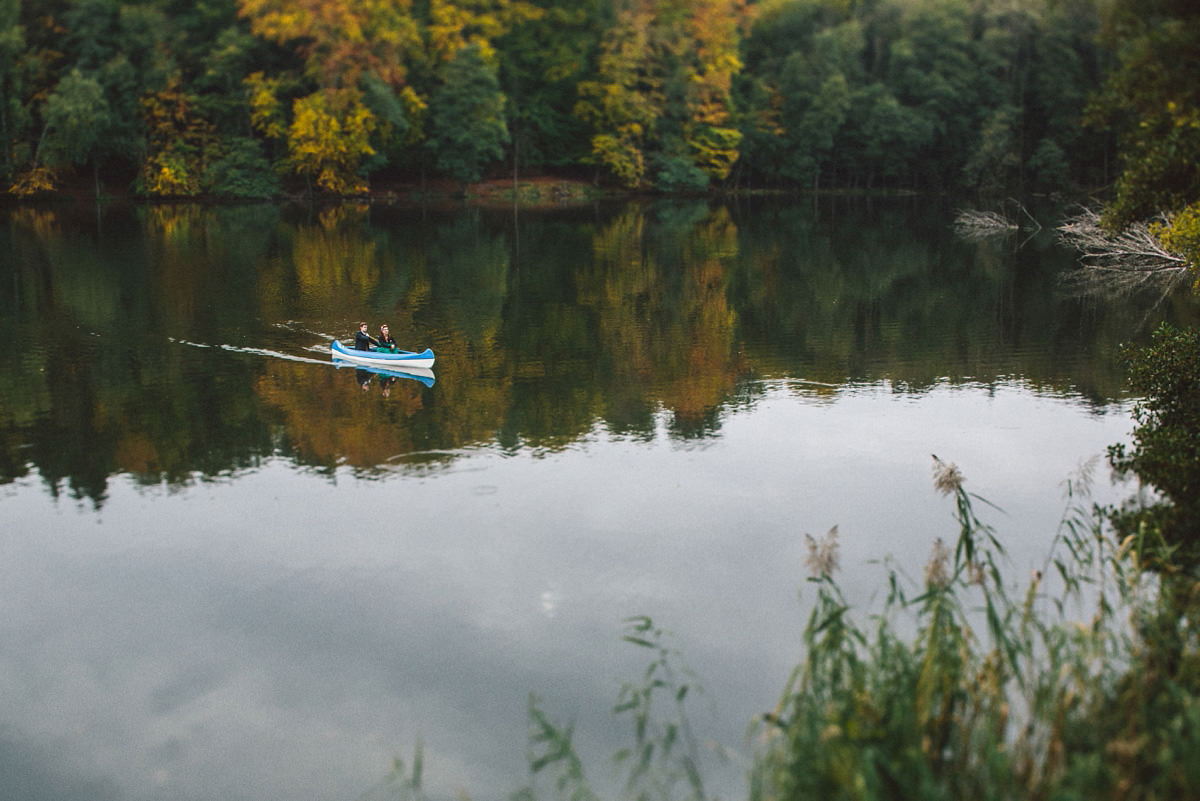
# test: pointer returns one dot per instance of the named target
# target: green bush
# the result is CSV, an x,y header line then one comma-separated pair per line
x,y
242,171
678,174
1180,234
1166,446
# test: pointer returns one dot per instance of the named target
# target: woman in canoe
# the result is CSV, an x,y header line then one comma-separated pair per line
x,y
363,340
386,343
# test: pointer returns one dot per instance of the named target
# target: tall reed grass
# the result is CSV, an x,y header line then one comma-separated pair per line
x,y
1004,691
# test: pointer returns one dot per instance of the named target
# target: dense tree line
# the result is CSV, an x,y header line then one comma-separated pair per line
x,y
244,97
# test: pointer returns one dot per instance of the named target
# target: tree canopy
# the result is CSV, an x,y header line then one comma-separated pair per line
x,y
981,95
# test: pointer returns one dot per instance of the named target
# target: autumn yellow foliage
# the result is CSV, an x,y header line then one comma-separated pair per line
x,y
35,180
328,138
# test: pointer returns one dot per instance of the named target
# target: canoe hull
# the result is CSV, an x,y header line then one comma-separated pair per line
x,y
401,360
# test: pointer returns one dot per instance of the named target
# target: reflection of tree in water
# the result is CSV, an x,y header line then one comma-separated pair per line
x,y
629,320
327,420
664,323
1121,265
909,305
335,264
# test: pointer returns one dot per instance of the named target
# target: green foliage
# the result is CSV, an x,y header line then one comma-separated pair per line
x,y
12,44
1180,234
467,115
997,159
676,174
541,64
551,749
940,93
896,93
241,171
223,63
664,758
77,116
1166,445
996,697
394,129
662,762
1152,102
1049,167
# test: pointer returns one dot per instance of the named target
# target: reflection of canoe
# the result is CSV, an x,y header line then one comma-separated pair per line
x,y
422,374
401,360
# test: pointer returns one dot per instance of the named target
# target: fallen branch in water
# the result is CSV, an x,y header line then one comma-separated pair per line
x,y
1134,249
973,224
1117,264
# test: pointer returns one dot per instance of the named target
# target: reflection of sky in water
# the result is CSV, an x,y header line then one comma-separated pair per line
x,y
284,636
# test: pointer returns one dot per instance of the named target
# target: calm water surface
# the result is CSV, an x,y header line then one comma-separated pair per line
x,y
232,570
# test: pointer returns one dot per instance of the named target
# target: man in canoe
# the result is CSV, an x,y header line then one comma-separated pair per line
x,y
386,343
363,340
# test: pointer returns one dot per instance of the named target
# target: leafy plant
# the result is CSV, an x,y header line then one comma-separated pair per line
x,y
1181,234
401,784
242,172
663,762
1166,445
677,174
995,696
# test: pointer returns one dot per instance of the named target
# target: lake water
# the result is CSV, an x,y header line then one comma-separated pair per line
x,y
232,570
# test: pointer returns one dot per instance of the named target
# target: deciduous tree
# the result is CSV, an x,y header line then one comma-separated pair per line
x,y
12,43
625,100
1152,101
328,138
467,116
77,119
339,40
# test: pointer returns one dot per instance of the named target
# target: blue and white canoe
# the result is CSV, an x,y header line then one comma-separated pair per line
x,y
400,360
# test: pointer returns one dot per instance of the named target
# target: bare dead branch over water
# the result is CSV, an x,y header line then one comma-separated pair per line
x,y
1133,249
1117,264
973,224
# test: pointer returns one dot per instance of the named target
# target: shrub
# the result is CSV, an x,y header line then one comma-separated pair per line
x,y
242,172
678,174
1166,445
1180,234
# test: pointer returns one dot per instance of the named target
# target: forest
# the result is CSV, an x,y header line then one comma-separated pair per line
x,y
256,98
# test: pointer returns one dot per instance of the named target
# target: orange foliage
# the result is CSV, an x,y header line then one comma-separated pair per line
x,y
684,341
340,39
331,420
